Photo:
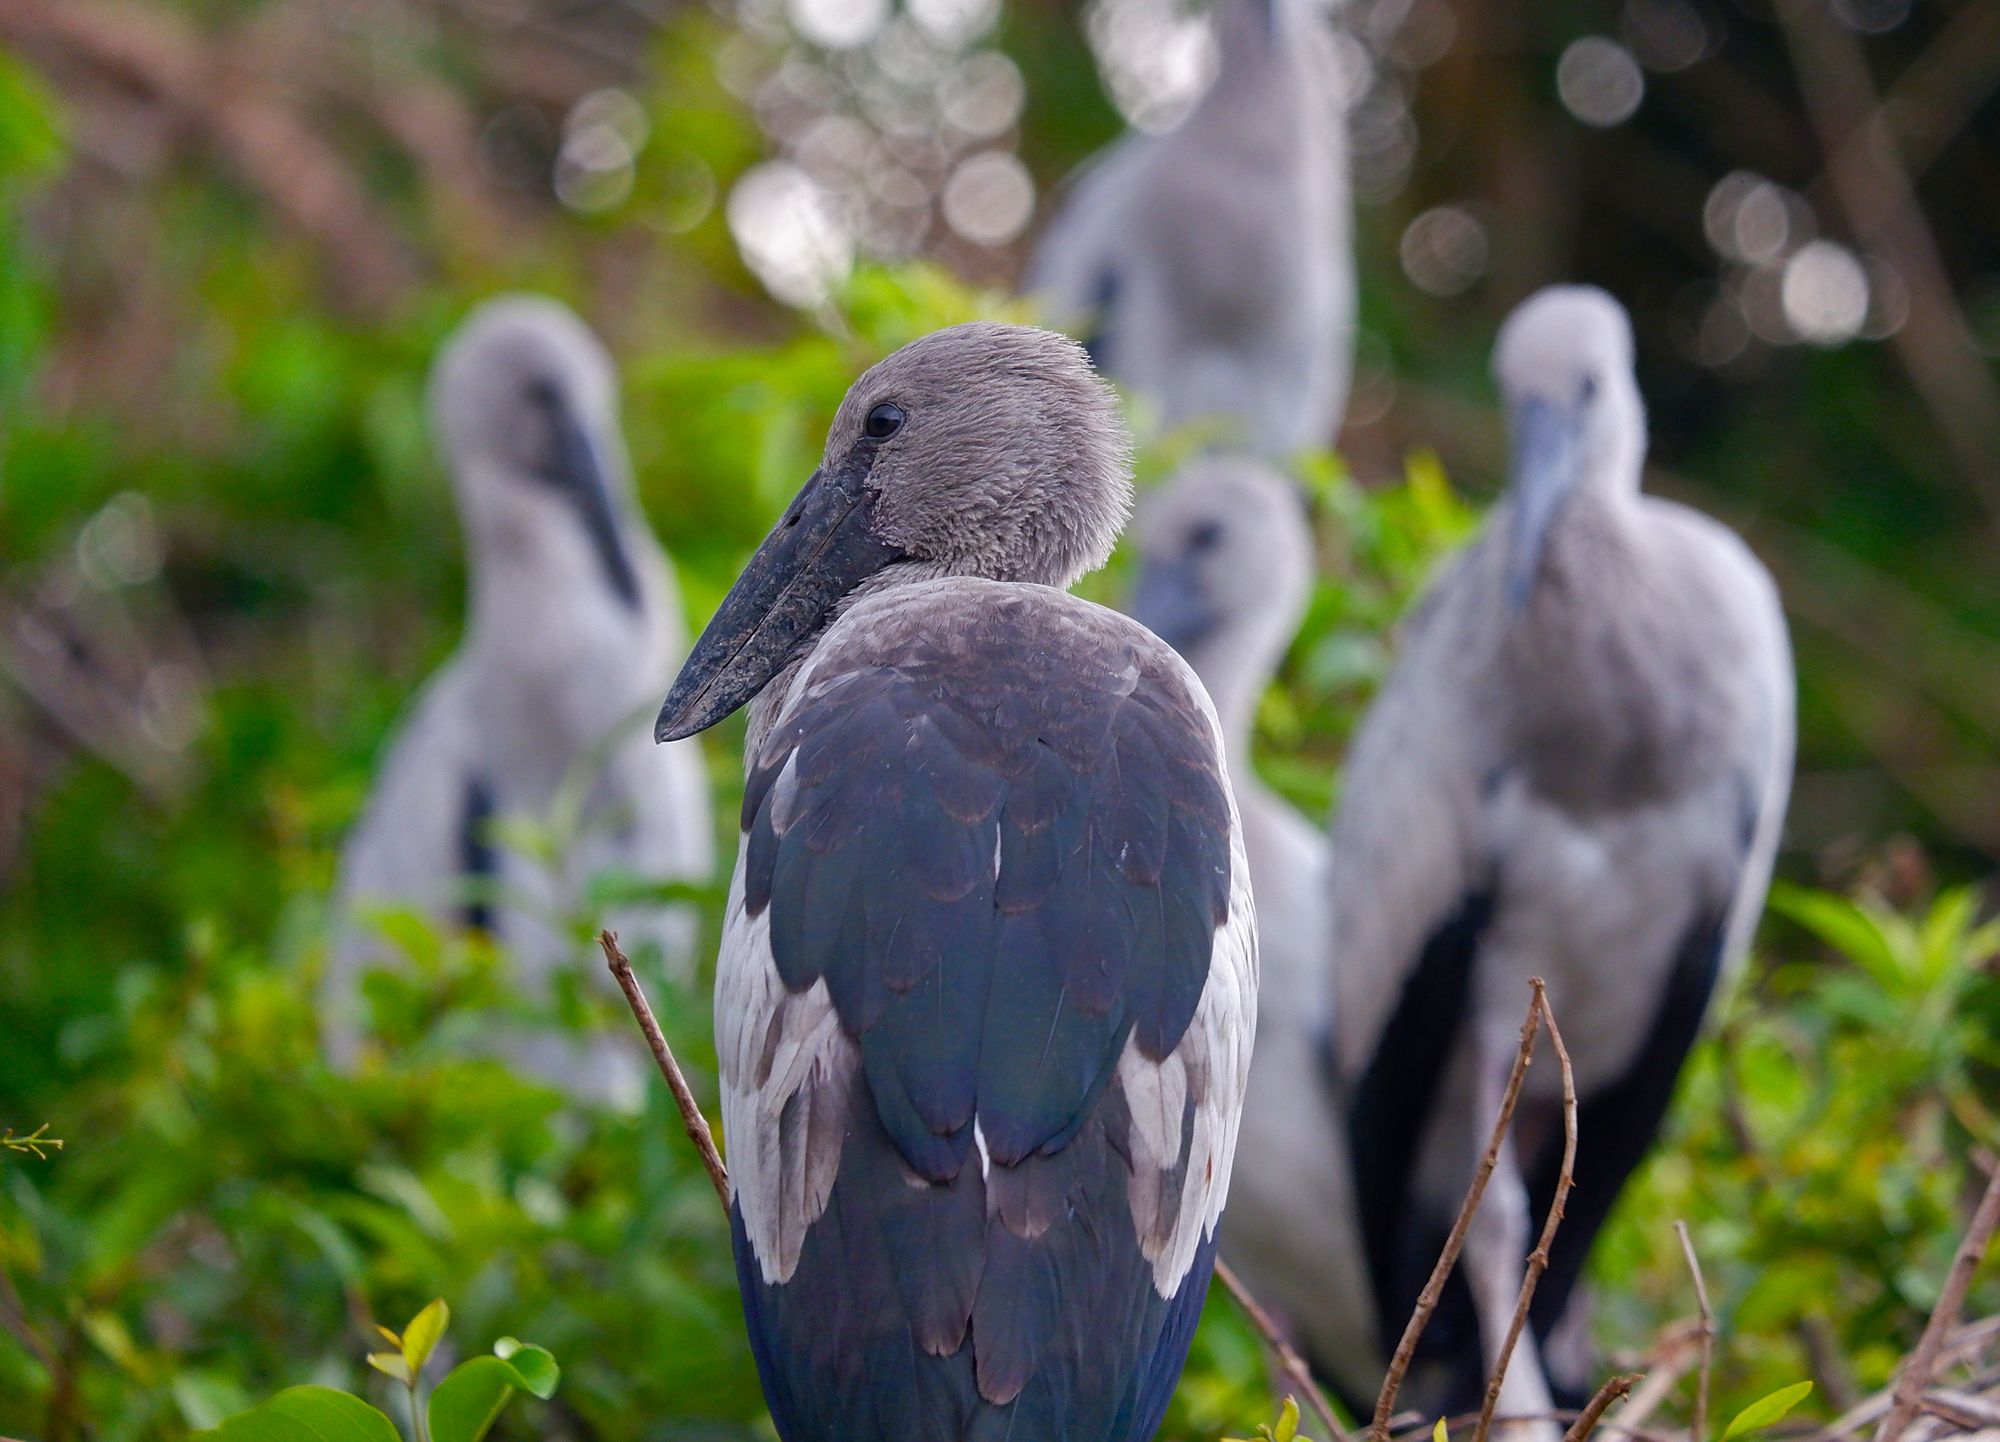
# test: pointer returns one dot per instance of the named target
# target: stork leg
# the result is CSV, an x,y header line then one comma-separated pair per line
x,y
1496,1249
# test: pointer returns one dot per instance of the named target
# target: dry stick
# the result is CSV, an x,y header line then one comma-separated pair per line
x,y
1673,1355
1427,1300
1593,1410
1538,1260
697,1124
1698,1431
1288,1358
1921,1364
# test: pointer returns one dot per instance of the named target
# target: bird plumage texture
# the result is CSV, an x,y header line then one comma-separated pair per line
x,y
987,983
1577,769
1211,267
573,627
1225,552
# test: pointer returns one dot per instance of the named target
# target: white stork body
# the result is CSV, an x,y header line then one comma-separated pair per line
x,y
573,628
987,987
1577,770
1212,267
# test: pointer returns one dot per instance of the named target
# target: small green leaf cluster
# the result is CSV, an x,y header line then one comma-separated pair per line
x,y
463,1406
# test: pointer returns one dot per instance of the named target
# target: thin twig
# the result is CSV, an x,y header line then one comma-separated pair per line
x,y
1698,1430
1671,1358
1427,1300
1538,1260
1919,1367
697,1124
1593,1410
1288,1358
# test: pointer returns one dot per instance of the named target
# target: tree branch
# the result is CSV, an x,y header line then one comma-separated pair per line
x,y
1698,1428
691,1117
1288,1358
1427,1300
1538,1260
1921,1365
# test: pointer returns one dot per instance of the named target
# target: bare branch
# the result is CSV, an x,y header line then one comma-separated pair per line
x,y
1921,1365
1538,1260
696,1123
1698,1428
1288,1358
1593,1410
1427,1300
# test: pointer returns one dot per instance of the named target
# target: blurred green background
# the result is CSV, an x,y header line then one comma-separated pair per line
x,y
232,232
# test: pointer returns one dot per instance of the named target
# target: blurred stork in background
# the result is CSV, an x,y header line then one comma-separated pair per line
x,y
1211,269
573,630
1577,769
1225,571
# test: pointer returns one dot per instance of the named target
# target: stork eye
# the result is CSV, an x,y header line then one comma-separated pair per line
x,y
883,422
1205,537
1589,391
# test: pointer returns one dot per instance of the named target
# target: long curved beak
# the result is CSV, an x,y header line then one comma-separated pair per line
x,y
577,469
1544,473
823,547
1168,601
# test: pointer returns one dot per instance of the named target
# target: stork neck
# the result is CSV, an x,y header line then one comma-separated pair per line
x,y
537,587
1234,675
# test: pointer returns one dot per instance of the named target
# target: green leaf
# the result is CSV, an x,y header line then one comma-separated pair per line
x,y
1288,1421
421,1337
391,1364
467,1401
537,1366
1766,1410
307,1414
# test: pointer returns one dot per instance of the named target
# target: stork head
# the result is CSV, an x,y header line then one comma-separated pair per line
x,y
1225,569
980,450
1564,365
524,402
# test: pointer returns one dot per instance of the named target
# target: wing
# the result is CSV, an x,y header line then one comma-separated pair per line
x,y
984,1013
419,834
1412,896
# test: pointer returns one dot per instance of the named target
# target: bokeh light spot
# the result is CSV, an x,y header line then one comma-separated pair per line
x,y
989,198
1825,293
1599,81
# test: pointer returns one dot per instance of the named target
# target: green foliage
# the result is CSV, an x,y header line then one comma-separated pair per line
x,y
463,1407
308,1414
227,1208
1767,1411
1821,1149
1286,1428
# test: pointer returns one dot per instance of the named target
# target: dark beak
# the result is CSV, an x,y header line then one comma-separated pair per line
x,y
1169,602
577,469
824,547
1544,473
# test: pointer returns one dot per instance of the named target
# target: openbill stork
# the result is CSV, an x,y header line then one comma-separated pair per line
x,y
987,983
573,626
1577,769
1211,269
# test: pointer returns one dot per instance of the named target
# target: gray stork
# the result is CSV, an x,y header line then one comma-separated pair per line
x,y
1212,268
988,979
1225,571
573,626
1577,769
